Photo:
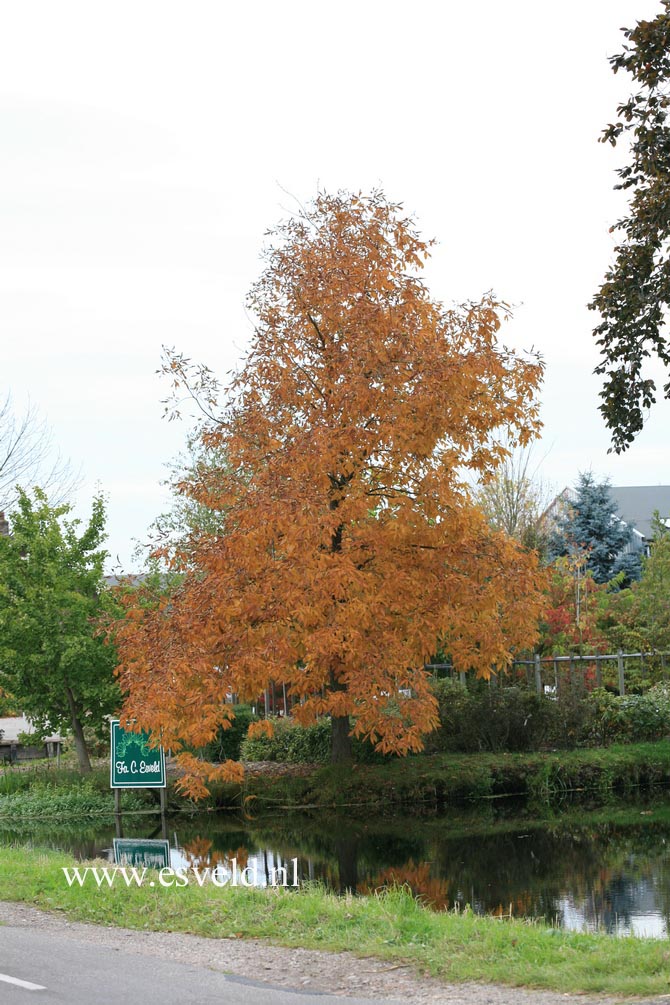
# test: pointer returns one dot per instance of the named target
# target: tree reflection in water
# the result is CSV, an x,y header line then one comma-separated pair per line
x,y
606,868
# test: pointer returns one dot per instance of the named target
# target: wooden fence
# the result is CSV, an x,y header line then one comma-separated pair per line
x,y
548,675
552,675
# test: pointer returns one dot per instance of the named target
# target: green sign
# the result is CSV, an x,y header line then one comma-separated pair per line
x,y
142,853
134,764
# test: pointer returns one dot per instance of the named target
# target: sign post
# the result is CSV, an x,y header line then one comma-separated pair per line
x,y
134,764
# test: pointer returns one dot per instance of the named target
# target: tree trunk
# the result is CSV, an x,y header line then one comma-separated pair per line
x,y
340,740
78,733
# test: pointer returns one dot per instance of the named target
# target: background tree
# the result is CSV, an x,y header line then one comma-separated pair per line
x,y
571,621
652,593
178,528
634,297
351,538
638,619
57,668
514,500
7,704
591,527
28,457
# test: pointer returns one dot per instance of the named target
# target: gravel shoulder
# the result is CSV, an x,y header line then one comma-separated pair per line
x,y
296,969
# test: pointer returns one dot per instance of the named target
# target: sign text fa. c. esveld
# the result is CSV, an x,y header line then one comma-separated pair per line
x,y
134,764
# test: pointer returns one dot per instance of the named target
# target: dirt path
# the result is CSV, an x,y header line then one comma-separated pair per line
x,y
300,969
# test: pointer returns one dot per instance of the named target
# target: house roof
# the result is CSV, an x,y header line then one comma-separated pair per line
x,y
637,504
128,579
13,726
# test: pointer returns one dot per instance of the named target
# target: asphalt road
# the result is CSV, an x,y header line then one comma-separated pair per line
x,y
65,971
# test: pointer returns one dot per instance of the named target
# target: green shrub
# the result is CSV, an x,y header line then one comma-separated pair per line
x,y
631,718
12,781
573,721
291,743
363,752
296,744
479,717
46,774
44,800
453,699
227,743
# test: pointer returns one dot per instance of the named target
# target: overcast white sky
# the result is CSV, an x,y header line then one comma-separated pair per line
x,y
145,147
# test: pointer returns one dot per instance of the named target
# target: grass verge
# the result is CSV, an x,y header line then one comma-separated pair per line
x,y
442,780
392,926
43,795
432,781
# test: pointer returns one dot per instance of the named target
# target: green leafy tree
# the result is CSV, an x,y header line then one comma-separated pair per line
x,y
7,704
635,295
638,619
59,670
652,593
591,527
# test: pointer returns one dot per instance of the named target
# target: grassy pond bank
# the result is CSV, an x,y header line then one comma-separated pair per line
x,y
434,782
454,946
473,867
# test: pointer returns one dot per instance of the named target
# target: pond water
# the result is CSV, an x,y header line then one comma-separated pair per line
x,y
604,868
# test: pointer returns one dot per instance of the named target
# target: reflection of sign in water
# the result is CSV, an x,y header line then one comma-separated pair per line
x,y
134,765
142,853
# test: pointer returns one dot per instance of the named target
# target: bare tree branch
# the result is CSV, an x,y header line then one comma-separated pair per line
x,y
515,499
29,457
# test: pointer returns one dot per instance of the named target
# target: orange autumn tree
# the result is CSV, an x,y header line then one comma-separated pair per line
x,y
349,539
